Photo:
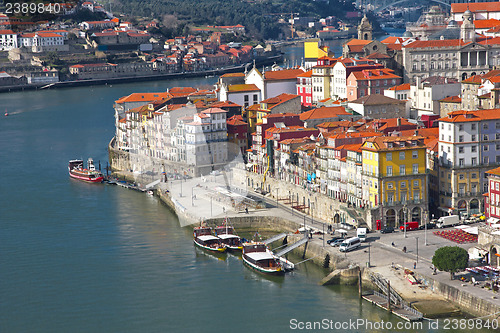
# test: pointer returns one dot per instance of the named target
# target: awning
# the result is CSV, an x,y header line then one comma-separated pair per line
x,y
471,230
493,220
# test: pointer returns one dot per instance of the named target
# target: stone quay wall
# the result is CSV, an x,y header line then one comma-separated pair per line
x,y
321,206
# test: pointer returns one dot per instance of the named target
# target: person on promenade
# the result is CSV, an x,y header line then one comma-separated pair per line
x,y
404,249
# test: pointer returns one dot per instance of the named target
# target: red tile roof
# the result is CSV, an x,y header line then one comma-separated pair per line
x,y
404,86
306,74
436,43
242,87
375,74
466,116
495,171
142,97
475,7
324,113
285,74
452,99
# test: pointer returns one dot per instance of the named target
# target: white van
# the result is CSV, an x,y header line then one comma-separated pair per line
x,y
350,244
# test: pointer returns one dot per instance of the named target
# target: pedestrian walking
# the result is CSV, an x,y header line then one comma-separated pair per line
x,y
246,210
414,265
404,249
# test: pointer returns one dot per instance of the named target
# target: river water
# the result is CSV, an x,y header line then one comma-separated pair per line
x,y
77,257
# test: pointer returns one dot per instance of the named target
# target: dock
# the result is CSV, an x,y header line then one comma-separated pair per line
x,y
293,246
402,311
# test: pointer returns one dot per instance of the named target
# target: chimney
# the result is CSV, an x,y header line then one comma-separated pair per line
x,y
398,122
416,132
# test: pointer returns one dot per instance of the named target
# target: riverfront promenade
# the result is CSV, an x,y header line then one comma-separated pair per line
x,y
202,199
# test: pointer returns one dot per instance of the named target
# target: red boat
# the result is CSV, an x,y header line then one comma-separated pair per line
x,y
90,174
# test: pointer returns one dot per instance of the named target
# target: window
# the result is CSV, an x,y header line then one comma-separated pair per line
x,y
415,168
486,160
246,98
255,98
474,161
460,127
460,138
497,159
473,137
485,148
402,169
461,150
389,170
389,156
449,149
461,176
449,138
390,186
461,162
473,175
485,137
415,183
485,126
401,155
497,136
473,127
497,125
403,184
473,149
414,154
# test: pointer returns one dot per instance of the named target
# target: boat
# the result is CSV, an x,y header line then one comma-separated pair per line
x,y
90,174
203,238
229,238
257,256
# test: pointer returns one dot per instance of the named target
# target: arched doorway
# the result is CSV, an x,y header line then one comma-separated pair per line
x,y
462,208
336,218
390,218
402,216
474,206
416,214
464,76
494,258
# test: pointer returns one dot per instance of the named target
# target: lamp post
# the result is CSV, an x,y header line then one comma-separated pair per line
x,y
416,240
369,253
181,189
426,213
404,219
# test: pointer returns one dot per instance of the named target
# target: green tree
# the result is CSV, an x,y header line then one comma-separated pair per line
x,y
450,259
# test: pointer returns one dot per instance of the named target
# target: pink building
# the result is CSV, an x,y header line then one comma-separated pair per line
x,y
370,81
492,198
304,88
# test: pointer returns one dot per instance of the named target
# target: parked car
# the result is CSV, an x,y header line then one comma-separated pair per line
x,y
333,239
337,242
429,226
387,230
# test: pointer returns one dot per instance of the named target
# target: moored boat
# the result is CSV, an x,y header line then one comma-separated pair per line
x,y
257,256
90,174
228,237
203,238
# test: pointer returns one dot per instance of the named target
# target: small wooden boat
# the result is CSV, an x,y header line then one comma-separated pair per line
x,y
204,239
257,256
228,237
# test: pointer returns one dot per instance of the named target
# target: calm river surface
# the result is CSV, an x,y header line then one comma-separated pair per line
x,y
76,257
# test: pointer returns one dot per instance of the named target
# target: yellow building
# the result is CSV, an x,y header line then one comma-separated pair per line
x,y
314,50
395,179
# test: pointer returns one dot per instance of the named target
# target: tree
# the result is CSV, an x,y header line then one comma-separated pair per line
x,y
450,259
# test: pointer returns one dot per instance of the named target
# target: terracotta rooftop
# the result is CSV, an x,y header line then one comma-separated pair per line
x,y
282,98
452,99
377,99
474,79
495,171
324,113
306,74
242,87
404,86
475,7
285,74
466,116
375,74
142,97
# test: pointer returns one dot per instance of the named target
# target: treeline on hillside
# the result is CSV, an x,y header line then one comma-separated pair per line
x,y
256,16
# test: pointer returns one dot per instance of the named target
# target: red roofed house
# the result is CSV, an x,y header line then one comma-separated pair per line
x,y
237,134
326,113
492,198
480,10
304,88
242,94
282,103
8,40
370,81
401,92
43,42
344,67
273,83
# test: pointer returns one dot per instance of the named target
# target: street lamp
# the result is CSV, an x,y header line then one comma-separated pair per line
x,y
426,213
416,240
369,253
192,196
404,219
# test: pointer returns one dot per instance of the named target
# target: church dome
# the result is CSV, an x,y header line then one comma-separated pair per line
x,y
452,24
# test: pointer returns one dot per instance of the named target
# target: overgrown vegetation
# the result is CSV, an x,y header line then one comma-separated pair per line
x,y
259,17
